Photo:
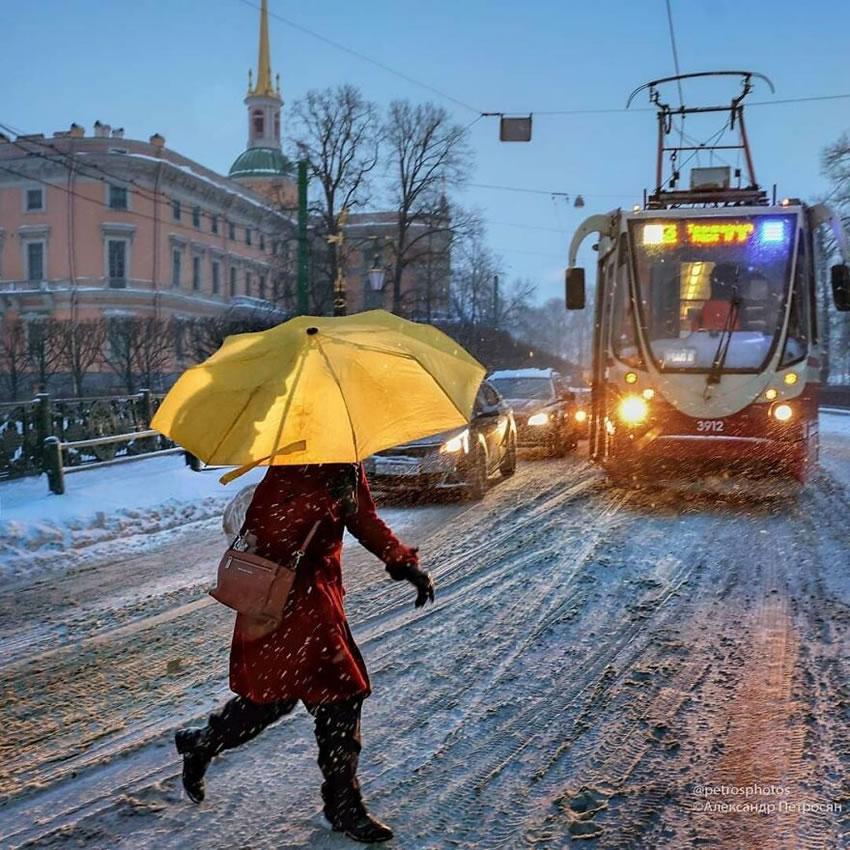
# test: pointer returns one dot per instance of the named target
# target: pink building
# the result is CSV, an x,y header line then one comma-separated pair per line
x,y
103,226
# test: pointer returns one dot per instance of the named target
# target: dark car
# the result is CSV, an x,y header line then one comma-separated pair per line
x,y
544,408
460,459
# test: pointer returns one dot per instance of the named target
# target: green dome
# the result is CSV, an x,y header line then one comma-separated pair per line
x,y
261,162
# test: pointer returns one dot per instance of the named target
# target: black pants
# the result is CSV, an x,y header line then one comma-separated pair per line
x,y
337,734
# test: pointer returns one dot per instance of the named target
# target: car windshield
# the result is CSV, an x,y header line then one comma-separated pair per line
x,y
702,280
524,388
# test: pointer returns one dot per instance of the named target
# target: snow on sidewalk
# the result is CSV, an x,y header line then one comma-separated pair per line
x,y
114,511
127,505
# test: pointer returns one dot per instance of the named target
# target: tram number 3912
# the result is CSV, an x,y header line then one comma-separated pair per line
x,y
709,425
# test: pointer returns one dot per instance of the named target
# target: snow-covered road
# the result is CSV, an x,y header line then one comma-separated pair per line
x,y
590,648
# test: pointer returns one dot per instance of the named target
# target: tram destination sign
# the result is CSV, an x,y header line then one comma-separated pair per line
x,y
715,232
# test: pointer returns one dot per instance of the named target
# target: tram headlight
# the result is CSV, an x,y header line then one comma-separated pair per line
x,y
633,410
790,378
631,377
783,413
538,419
771,393
581,416
648,393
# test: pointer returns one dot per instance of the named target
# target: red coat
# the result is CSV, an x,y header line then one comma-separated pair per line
x,y
312,655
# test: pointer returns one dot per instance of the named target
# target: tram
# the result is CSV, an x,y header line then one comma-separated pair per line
x,y
706,355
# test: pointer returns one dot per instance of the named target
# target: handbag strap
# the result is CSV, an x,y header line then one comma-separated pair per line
x,y
300,551
310,534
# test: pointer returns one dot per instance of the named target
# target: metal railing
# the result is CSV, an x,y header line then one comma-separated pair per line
x,y
54,449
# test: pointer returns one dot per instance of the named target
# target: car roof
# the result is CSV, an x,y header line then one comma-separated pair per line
x,y
523,373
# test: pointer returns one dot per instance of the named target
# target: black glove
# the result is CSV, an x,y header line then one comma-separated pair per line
x,y
421,580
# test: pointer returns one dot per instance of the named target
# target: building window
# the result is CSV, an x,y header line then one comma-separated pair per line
x,y
176,262
232,281
196,273
216,276
35,261
175,210
214,224
196,217
262,242
247,235
262,291
116,252
35,200
259,123
117,197
231,228
247,283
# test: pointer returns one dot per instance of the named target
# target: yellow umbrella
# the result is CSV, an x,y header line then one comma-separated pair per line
x,y
320,390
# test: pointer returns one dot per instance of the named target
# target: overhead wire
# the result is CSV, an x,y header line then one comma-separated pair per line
x,y
363,57
678,73
110,178
481,113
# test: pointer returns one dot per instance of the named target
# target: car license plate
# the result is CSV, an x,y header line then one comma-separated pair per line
x,y
394,467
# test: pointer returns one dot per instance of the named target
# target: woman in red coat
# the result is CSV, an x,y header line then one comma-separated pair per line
x,y
312,655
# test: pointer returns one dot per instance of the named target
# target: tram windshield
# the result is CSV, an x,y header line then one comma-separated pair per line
x,y
712,284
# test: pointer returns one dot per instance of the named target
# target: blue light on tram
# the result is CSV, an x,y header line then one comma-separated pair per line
x,y
773,232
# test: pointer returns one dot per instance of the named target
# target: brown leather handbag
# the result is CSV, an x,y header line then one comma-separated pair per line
x,y
257,587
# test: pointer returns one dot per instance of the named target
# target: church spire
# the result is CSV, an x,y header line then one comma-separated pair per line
x,y
263,88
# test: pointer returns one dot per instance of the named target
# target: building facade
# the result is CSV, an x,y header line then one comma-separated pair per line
x,y
371,242
102,225
98,226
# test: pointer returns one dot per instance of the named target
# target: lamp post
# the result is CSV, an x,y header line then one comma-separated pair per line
x,y
377,274
339,282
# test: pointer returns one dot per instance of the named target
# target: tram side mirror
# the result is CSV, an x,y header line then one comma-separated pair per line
x,y
575,289
841,286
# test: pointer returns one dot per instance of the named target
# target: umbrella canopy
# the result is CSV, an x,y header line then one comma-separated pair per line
x,y
320,390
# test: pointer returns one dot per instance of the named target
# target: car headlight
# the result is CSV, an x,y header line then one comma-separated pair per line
x,y
783,412
538,419
633,409
456,444
581,416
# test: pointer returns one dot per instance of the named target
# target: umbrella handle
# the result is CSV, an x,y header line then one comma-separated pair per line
x,y
299,446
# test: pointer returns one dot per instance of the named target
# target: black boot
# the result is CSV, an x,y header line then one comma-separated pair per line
x,y
194,746
236,722
346,813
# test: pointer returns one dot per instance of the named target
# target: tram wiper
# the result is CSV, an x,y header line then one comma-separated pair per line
x,y
719,361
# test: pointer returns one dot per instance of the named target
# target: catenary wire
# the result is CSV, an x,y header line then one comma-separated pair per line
x,y
363,57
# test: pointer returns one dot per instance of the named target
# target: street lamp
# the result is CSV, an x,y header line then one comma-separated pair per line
x,y
339,283
377,273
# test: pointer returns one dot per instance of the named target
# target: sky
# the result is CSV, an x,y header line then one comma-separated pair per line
x,y
180,68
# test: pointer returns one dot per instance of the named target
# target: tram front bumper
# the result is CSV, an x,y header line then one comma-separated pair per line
x,y
687,454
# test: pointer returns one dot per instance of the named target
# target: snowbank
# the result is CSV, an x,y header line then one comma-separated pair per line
x,y
127,505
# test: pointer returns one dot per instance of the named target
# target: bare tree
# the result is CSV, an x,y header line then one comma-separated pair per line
x,y
119,350
205,336
474,270
13,357
427,152
81,345
338,134
154,350
568,335
44,349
